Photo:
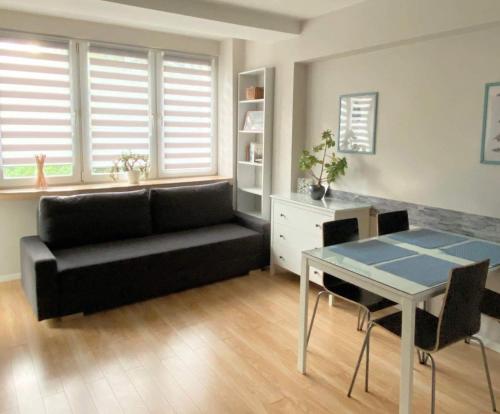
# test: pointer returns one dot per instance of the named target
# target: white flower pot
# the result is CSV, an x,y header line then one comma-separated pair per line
x,y
133,177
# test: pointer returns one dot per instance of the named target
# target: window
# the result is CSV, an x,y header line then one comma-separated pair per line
x,y
35,108
187,129
119,118
83,104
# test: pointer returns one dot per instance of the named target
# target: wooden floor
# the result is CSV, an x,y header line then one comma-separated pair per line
x,y
224,348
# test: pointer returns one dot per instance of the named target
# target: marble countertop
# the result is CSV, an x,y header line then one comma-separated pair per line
x,y
326,203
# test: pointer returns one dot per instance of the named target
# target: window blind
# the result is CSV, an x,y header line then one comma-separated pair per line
x,y
35,107
120,114
355,122
187,137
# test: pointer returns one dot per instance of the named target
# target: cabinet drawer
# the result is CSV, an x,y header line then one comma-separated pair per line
x,y
316,276
287,257
299,218
296,239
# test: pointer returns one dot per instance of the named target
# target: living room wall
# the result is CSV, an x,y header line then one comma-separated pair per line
x,y
429,126
419,55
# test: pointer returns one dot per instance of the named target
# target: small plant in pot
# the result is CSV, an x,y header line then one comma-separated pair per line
x,y
332,166
135,165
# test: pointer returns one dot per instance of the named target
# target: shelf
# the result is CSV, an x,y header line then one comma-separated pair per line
x,y
242,131
245,101
252,190
255,164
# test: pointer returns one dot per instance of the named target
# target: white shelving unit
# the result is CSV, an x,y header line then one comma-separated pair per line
x,y
253,179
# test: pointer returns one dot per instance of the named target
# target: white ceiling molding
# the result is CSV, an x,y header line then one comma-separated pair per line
x,y
188,17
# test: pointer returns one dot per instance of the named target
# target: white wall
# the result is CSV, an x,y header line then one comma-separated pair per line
x,y
371,26
430,117
18,218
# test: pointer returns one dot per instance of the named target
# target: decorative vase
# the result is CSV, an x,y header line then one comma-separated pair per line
x,y
40,182
133,176
316,191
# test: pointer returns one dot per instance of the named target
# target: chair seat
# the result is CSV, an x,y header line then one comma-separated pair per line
x,y
491,304
425,327
369,300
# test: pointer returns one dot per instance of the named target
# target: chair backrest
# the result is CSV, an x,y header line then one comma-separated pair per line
x,y
392,222
460,315
491,304
340,231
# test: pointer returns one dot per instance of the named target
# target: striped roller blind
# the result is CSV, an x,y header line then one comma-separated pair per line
x,y
356,123
187,135
120,114
35,107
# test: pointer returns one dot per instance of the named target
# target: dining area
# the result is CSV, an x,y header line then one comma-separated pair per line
x,y
429,287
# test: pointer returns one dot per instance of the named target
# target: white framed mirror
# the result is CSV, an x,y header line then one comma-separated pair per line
x,y
357,123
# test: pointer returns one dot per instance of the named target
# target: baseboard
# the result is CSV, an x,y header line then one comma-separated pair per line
x,y
7,278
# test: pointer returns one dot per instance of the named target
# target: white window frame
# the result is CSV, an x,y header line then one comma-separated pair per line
x,y
161,118
87,176
80,112
75,122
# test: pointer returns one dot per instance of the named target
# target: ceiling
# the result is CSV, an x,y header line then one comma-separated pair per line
x,y
299,9
261,20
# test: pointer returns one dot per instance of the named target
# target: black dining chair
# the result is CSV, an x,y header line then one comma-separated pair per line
x,y
459,319
343,231
491,304
392,222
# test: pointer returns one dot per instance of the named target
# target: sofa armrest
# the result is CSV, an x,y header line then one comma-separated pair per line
x,y
253,223
39,277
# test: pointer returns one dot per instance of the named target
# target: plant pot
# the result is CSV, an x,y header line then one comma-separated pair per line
x,y
317,192
133,177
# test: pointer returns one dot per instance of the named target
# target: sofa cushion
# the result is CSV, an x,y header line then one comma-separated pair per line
x,y
182,208
93,218
109,274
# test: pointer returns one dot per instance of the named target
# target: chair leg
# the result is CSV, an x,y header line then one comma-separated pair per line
x,y
314,314
433,390
367,369
365,346
422,357
487,371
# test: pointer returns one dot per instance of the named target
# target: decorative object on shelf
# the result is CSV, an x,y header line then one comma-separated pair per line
x,y
254,92
135,165
490,147
256,152
254,121
303,185
331,165
358,123
41,181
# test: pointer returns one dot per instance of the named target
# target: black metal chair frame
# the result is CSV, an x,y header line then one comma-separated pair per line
x,y
425,354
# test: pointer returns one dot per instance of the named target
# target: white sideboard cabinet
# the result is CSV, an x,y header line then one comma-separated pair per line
x,y
296,225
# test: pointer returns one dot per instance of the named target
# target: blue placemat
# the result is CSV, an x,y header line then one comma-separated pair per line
x,y
424,270
428,239
371,251
476,251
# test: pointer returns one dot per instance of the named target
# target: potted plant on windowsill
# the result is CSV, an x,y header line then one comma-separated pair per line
x,y
135,165
332,166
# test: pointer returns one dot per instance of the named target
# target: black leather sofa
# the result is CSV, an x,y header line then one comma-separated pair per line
x,y
98,251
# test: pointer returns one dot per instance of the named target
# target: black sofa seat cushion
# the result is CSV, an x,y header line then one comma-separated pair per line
x,y
182,208
93,218
105,275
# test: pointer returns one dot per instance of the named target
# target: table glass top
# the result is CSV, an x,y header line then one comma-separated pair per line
x,y
401,262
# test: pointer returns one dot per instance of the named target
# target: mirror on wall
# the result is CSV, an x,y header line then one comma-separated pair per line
x,y
357,123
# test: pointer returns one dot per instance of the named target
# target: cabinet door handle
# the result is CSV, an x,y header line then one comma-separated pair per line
x,y
318,226
282,215
316,272
281,236
282,258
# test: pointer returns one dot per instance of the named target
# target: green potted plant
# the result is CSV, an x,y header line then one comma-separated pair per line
x,y
332,166
131,163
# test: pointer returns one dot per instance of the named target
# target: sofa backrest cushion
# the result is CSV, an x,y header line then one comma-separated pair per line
x,y
182,208
92,218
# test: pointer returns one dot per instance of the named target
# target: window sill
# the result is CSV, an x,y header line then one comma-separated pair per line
x,y
32,193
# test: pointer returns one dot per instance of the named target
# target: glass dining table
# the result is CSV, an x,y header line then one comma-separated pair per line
x,y
407,267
